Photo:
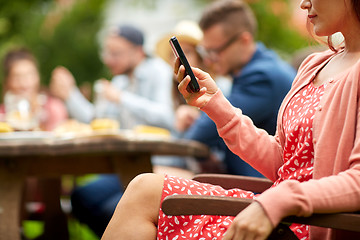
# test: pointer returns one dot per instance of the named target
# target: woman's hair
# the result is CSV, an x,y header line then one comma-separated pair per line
x,y
355,5
14,56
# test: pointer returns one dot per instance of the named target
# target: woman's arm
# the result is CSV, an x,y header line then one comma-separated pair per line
x,y
251,144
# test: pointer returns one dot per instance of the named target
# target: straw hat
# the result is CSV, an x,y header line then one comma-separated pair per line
x,y
185,31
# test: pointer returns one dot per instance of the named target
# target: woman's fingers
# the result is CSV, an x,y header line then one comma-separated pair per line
x,y
183,85
250,224
229,234
207,87
177,65
181,73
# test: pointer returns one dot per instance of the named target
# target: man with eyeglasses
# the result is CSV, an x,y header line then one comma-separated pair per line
x,y
138,94
260,78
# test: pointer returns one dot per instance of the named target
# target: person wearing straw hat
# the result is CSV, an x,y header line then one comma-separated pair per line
x,y
189,35
260,78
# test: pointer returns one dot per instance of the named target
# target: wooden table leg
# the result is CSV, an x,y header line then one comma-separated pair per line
x,y
55,219
130,166
11,183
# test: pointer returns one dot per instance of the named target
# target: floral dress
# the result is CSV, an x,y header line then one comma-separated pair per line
x,y
298,164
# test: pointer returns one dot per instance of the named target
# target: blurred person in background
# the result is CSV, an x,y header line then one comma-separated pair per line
x,y
24,101
189,35
260,79
27,107
313,159
138,94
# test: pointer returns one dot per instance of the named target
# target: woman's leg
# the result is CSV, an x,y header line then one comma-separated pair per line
x,y
136,214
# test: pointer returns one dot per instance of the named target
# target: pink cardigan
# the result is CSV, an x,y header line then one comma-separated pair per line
x,y
336,139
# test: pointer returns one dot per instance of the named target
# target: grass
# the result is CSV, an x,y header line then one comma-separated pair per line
x,y
77,231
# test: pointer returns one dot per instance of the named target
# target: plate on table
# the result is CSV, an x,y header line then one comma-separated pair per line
x,y
90,134
26,135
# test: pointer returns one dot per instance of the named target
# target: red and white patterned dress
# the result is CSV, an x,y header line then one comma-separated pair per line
x,y
298,164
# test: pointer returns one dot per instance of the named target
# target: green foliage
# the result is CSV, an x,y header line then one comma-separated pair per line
x,y
57,36
68,37
274,26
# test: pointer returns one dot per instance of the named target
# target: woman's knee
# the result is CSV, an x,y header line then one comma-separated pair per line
x,y
147,184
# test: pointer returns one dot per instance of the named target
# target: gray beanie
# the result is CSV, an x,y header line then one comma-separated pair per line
x,y
132,34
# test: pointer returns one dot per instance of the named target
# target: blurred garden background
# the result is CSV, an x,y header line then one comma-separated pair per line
x,y
68,33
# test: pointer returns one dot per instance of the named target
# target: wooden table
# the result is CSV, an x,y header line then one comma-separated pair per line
x,y
125,155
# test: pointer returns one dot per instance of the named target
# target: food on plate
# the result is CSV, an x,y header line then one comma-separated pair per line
x,y
73,126
104,124
144,129
5,127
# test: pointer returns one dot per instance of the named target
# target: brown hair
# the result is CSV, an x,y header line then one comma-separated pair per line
x,y
355,4
16,55
234,15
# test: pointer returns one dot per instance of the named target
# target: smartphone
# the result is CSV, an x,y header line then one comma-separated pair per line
x,y
193,84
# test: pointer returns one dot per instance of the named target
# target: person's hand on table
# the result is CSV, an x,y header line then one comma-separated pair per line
x,y
110,92
250,224
185,116
207,85
62,82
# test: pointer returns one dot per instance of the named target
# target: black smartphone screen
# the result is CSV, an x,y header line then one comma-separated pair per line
x,y
175,45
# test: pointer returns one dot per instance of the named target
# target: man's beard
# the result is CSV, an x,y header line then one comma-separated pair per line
x,y
127,71
235,70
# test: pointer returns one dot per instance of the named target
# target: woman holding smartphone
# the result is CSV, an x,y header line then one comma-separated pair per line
x,y
313,159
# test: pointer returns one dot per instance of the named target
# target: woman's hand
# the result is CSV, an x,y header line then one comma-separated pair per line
x,y
250,224
207,85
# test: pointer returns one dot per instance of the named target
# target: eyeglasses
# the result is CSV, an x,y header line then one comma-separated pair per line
x,y
112,54
212,53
